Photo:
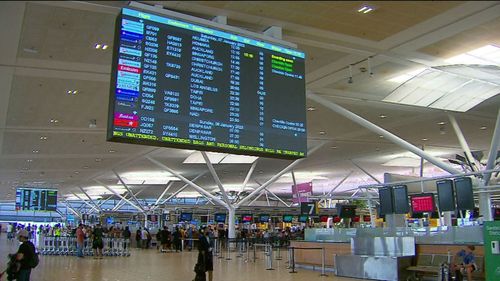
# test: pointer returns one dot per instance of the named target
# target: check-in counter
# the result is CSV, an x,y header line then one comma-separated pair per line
x,y
436,240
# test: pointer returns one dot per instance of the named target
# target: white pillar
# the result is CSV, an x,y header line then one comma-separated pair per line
x,y
231,224
447,218
485,203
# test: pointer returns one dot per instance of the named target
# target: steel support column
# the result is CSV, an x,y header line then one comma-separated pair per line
x,y
492,156
277,176
192,184
365,171
374,128
163,193
339,184
88,196
216,178
119,195
463,143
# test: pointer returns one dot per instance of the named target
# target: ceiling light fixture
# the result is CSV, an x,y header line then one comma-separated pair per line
x,y
381,136
441,123
333,147
382,116
101,46
72,92
483,128
98,159
112,151
54,121
36,151
85,167
425,139
322,132
311,108
29,160
365,9
43,137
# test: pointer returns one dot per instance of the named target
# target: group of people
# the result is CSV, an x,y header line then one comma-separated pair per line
x,y
96,234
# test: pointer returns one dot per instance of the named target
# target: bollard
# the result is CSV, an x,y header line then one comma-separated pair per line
x,y
293,261
323,262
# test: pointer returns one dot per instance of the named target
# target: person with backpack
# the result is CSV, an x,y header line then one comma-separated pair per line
x,y
26,256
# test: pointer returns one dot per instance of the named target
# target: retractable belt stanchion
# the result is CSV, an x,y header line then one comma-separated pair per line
x,y
323,262
278,256
221,250
292,261
228,246
269,257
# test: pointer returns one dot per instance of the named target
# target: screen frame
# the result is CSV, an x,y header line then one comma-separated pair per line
x,y
182,214
460,203
303,216
423,195
286,221
21,188
396,203
220,214
111,104
263,215
246,221
454,203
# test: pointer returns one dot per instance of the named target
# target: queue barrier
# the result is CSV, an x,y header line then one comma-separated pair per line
x,y
291,258
67,246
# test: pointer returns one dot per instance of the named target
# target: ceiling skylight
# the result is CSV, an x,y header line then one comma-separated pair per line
x,y
440,89
486,55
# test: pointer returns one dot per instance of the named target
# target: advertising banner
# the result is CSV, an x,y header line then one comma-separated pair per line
x,y
301,192
492,250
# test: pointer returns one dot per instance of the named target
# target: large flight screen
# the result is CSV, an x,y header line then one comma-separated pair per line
x,y
178,84
36,199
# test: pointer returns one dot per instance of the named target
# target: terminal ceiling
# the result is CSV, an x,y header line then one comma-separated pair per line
x,y
46,140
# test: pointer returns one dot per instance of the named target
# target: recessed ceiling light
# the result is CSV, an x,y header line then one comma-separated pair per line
x,y
381,136
25,168
365,9
54,121
43,137
29,160
76,172
311,108
85,167
112,151
425,139
98,159
36,151
333,147
322,132
483,128
72,92
100,46
441,123
382,116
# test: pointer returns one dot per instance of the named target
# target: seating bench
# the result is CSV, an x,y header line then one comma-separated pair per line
x,y
430,264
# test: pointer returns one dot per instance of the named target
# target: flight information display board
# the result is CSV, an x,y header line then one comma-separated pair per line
x,y
422,203
179,84
36,199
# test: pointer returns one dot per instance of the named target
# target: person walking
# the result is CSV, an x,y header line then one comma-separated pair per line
x,y
97,243
205,248
138,238
177,239
80,237
126,237
144,238
25,255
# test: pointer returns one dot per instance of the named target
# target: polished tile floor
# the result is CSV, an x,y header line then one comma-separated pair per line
x,y
145,265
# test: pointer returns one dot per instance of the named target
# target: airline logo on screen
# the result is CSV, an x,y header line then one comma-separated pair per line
x,y
183,85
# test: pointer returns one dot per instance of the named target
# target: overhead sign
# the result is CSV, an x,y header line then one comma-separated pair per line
x,y
309,208
301,192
